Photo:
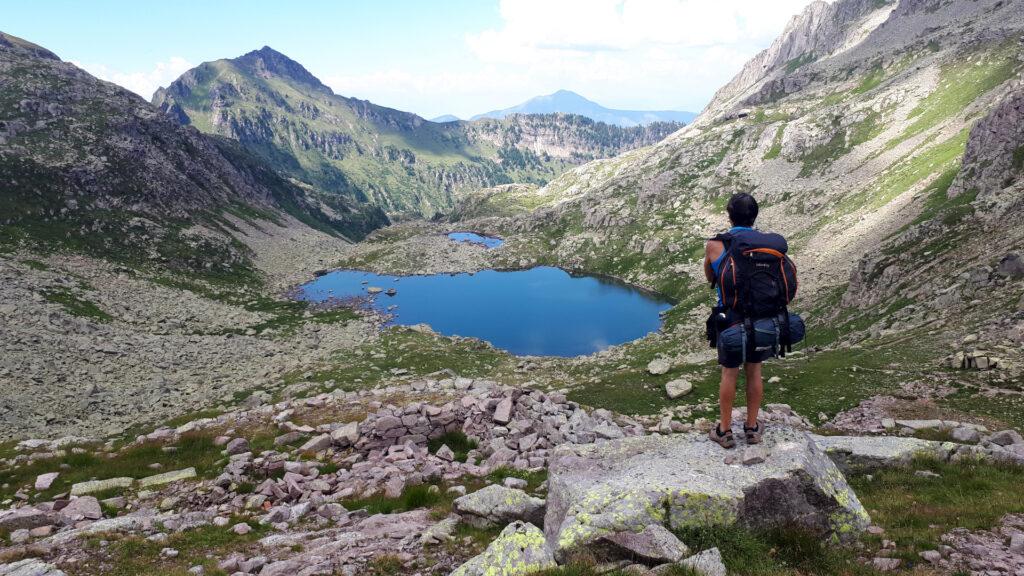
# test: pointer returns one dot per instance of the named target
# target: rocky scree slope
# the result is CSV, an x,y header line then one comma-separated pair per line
x,y
366,483
849,129
355,149
89,166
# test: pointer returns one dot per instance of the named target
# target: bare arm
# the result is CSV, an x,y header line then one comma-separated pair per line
x,y
712,250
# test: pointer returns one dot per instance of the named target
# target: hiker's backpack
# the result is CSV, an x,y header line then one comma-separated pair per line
x,y
756,278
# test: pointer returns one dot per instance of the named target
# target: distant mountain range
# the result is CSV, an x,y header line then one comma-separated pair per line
x,y
568,102
372,155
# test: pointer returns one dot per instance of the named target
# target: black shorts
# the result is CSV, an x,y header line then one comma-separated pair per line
x,y
730,359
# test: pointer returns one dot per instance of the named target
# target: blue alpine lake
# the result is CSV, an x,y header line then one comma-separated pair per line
x,y
474,238
541,311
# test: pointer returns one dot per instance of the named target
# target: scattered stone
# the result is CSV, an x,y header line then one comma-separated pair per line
x,y
885,564
26,517
706,563
754,455
513,482
931,556
1006,438
874,452
519,550
317,443
441,532
241,529
966,434
44,481
167,478
503,411
658,366
678,388
445,453
654,544
83,488
30,567
1017,543
347,435
237,446
81,508
496,505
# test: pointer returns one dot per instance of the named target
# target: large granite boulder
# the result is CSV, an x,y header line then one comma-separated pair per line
x,y
595,491
519,550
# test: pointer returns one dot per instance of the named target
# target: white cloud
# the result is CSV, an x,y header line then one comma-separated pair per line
x,y
142,83
535,28
622,53
641,54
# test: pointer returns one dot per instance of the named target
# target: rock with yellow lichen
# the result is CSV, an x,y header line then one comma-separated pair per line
x,y
496,505
520,549
598,490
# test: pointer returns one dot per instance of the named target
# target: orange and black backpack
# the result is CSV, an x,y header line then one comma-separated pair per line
x,y
756,278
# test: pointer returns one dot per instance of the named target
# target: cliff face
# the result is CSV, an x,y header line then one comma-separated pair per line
x,y
90,165
371,154
818,32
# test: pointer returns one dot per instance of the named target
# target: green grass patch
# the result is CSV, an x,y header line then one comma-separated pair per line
x,y
419,353
907,173
457,441
785,551
412,498
191,450
870,81
960,84
776,147
35,264
136,556
533,479
916,511
76,305
799,62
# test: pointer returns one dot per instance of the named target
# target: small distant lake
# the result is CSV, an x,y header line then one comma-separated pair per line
x,y
474,238
541,311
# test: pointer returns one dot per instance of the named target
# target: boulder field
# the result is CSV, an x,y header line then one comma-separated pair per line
x,y
615,489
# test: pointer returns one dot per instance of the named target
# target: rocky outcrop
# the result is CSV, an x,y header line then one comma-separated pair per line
x,y
817,32
518,551
496,505
684,481
994,157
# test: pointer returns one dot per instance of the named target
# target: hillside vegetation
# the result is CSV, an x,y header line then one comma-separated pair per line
x,y
358,150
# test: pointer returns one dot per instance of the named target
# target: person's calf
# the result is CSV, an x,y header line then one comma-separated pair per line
x,y
727,395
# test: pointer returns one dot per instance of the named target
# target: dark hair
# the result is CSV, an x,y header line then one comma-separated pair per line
x,y
742,209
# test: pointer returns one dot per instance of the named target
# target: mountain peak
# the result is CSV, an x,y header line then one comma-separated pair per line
x,y
267,62
569,102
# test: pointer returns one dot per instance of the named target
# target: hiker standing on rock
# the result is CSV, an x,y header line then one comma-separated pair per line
x,y
755,281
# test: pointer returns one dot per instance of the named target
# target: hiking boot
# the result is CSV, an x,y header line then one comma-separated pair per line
x,y
754,434
723,439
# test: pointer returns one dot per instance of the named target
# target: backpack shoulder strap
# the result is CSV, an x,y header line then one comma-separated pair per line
x,y
725,238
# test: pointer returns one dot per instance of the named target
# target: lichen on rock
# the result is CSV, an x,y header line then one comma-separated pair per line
x,y
520,549
683,481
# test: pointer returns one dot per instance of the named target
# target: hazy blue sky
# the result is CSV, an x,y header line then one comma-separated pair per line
x,y
429,57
